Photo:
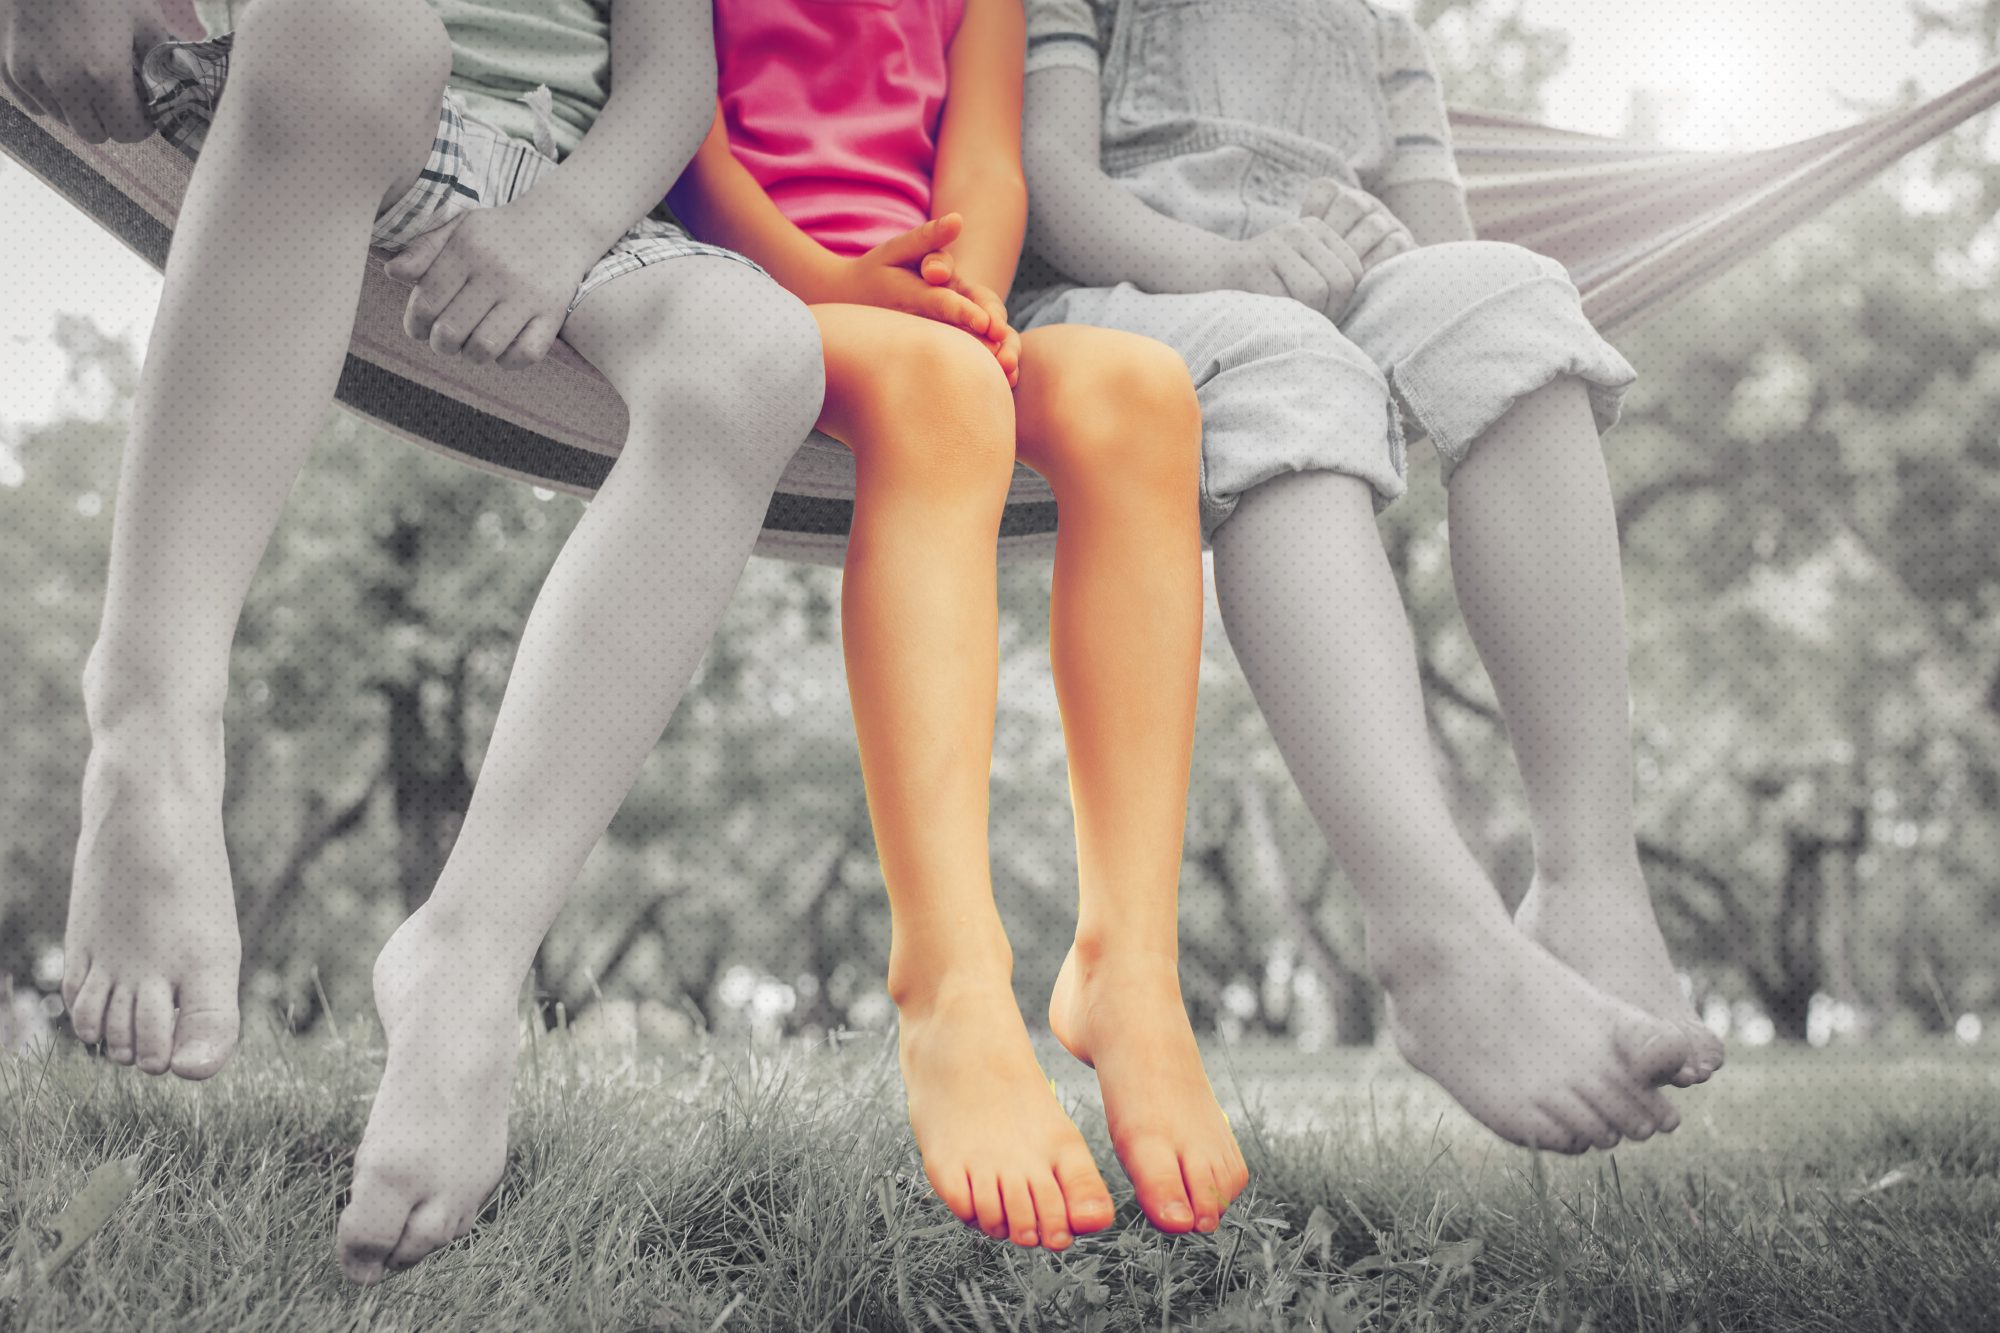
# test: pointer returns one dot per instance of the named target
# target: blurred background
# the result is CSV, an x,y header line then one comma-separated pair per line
x,y
1808,476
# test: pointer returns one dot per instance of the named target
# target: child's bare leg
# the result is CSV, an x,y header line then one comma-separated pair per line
x,y
1538,1055
1534,554
928,416
717,409
1111,420
330,110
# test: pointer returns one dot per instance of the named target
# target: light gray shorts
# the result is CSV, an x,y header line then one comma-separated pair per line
x,y
472,164
1439,342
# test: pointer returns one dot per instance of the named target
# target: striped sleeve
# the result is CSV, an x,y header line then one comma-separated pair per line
x,y
1064,33
1420,136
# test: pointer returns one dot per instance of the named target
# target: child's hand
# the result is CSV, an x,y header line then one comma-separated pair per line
x,y
71,60
1306,260
1363,221
941,270
493,284
887,276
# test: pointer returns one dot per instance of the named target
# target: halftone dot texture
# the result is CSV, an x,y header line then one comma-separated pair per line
x,y
1633,225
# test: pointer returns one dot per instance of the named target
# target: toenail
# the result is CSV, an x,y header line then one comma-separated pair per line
x,y
1645,1130
1205,1224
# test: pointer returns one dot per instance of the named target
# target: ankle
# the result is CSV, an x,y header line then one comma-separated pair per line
x,y
919,981
1094,949
442,929
119,698
1594,872
1407,947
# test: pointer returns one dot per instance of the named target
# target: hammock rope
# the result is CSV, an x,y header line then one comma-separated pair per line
x,y
1636,225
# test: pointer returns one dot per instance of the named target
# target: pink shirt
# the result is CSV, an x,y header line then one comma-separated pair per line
x,y
833,106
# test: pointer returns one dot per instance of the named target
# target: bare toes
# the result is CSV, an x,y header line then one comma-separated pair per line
x,y
118,1038
1019,1202
430,1229
988,1204
1654,1052
153,1025
370,1227
1085,1195
86,1013
1156,1174
205,1035
1051,1213
955,1190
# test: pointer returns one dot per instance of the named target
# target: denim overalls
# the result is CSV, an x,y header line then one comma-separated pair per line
x,y
1218,113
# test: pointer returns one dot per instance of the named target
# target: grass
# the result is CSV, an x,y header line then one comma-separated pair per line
x,y
712,1189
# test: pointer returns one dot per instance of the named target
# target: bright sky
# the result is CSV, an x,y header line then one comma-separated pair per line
x,y
1736,73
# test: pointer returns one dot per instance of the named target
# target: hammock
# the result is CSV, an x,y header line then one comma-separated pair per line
x,y
1636,226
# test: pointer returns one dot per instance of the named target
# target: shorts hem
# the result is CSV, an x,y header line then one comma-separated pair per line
x,y
1468,374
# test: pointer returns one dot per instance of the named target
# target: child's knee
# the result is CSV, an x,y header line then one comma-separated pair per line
x,y
366,74
931,406
1127,414
756,376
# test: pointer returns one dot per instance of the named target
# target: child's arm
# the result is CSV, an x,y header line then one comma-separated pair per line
x,y
1434,211
71,60
1086,224
1419,182
978,173
721,201
1100,234
496,283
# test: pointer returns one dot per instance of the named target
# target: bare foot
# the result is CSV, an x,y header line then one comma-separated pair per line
x,y
1122,1014
1540,1056
151,952
436,1141
1604,928
998,1147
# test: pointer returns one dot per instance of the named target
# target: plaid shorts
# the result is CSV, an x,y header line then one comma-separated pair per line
x,y
472,164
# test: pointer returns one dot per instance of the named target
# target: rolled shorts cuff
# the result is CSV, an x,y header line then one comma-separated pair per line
x,y
1465,377
1363,439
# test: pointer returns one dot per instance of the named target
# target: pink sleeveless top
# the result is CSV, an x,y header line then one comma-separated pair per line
x,y
833,106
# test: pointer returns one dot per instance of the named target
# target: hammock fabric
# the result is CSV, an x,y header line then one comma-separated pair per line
x,y
1636,225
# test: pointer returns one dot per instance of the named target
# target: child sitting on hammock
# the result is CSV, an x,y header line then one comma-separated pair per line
x,y
853,143
322,130
1197,174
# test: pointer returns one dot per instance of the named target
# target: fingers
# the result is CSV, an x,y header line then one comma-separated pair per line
x,y
938,268
495,334
1008,353
456,323
910,248
123,113
439,286
85,123
1305,282
417,257
20,94
532,345
38,95
951,307
1369,233
1322,193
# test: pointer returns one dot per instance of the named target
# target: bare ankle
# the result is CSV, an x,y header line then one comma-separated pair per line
x,y
1095,949
118,699
1579,874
